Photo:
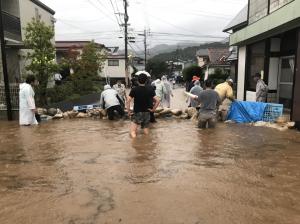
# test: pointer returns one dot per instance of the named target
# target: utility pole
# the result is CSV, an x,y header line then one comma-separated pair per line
x,y
126,19
4,65
145,45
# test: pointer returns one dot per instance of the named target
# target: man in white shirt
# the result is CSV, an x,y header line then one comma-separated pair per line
x,y
27,107
111,101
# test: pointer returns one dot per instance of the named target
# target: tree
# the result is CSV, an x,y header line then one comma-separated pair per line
x,y
87,69
157,68
219,76
38,37
191,71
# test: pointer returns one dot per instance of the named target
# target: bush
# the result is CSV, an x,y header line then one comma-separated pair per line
x,y
191,71
218,77
60,93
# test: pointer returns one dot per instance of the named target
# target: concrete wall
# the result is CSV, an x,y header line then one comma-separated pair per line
x,y
27,13
241,73
115,71
279,21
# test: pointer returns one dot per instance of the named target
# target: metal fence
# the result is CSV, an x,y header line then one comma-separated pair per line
x,y
14,96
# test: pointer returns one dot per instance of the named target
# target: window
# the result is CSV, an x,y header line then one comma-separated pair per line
x,y
113,62
276,4
257,63
257,10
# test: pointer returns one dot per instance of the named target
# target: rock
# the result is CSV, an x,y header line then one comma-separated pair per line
x,y
195,117
166,111
156,115
282,120
72,114
59,111
58,116
45,117
291,125
176,112
184,116
52,111
42,111
103,113
159,110
82,115
191,111
66,115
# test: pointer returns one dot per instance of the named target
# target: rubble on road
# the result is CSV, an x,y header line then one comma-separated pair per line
x,y
282,123
57,114
277,126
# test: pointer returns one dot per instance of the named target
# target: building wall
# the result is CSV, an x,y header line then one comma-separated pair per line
x,y
201,61
272,22
241,73
114,71
27,13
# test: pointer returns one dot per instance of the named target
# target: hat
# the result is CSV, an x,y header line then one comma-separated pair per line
x,y
230,80
143,72
107,87
195,78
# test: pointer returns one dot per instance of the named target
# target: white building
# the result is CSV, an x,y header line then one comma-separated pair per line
x,y
16,15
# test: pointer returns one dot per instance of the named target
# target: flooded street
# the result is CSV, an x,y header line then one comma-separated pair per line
x,y
91,172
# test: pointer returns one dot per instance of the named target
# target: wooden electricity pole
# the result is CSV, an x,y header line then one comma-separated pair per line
x,y
4,66
126,18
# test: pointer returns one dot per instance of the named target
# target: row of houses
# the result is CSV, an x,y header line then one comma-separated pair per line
x,y
17,14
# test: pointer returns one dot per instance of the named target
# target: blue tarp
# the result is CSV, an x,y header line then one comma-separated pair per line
x,y
246,112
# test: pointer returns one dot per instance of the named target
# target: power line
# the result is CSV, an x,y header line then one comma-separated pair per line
x,y
115,13
99,9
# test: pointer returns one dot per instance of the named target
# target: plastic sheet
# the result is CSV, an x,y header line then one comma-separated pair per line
x,y
246,112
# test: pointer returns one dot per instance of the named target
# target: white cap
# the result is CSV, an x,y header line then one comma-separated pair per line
x,y
107,87
230,80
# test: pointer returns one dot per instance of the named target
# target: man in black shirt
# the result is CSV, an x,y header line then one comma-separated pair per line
x,y
143,97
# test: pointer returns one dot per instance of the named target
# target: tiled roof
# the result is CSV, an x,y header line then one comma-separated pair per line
x,y
74,44
202,52
218,56
43,6
240,19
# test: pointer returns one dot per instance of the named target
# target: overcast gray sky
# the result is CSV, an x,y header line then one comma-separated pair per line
x,y
169,21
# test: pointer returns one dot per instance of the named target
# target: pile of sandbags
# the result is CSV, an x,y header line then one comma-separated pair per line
x,y
54,113
181,114
282,123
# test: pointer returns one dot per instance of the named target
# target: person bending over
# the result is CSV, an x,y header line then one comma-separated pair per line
x,y
111,101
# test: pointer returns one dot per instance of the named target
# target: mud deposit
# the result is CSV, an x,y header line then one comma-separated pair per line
x,y
91,172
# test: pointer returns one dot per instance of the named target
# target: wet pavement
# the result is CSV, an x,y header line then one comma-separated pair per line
x,y
91,172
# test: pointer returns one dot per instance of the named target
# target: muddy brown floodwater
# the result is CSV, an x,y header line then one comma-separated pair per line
x,y
91,172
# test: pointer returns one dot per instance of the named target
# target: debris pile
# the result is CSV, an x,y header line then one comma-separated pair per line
x,y
53,113
282,123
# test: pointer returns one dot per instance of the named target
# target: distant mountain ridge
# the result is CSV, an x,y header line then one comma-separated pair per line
x,y
175,53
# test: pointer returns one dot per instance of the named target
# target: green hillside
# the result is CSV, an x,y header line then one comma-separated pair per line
x,y
186,54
